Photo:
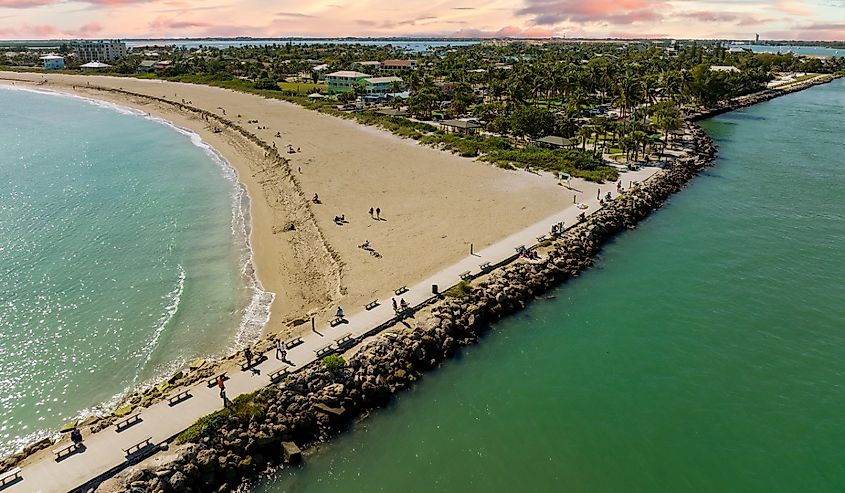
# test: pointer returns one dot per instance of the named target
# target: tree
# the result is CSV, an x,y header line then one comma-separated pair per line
x,y
532,121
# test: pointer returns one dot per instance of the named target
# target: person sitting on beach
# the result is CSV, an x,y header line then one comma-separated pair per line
x,y
365,245
76,436
316,199
279,134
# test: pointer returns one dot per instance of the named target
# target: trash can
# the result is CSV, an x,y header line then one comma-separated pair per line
x,y
434,289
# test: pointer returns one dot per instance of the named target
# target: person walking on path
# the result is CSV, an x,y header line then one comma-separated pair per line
x,y
222,385
395,306
371,212
280,350
378,214
248,357
339,313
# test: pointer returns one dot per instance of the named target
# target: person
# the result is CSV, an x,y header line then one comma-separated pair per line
x,y
248,357
395,306
280,350
598,194
222,385
366,245
371,212
378,213
76,436
403,304
297,149
339,313
316,199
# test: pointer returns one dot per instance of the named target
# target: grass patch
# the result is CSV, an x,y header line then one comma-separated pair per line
x,y
578,163
459,290
333,362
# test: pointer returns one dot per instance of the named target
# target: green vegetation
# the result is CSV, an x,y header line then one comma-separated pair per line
x,y
459,290
246,407
333,362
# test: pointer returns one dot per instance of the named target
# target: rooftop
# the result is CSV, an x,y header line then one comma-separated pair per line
x,y
382,80
459,124
348,73
95,65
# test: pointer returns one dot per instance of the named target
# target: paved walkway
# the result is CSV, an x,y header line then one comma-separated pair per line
x,y
161,422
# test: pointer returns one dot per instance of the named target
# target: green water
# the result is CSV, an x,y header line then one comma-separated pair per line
x,y
121,257
704,353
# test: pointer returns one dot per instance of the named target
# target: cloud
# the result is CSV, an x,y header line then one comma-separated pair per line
x,y
295,15
738,18
793,7
88,30
161,24
24,4
621,12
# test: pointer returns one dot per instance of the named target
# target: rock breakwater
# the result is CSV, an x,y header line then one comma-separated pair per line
x,y
266,429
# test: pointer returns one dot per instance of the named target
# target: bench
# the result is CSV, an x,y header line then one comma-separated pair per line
x,y
485,267
261,358
336,321
324,351
402,290
10,476
211,382
177,398
126,422
138,447
520,249
293,343
466,276
369,306
345,341
541,238
278,375
65,450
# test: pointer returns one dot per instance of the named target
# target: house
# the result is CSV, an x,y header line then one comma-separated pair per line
x,y
368,65
382,85
162,65
723,68
145,66
53,62
344,80
555,141
398,64
460,126
95,66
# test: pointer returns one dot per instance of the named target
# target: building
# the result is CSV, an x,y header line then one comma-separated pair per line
x,y
382,85
723,68
95,66
398,64
460,126
368,65
53,62
145,66
99,51
344,80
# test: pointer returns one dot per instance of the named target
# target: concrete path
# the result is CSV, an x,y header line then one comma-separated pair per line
x,y
161,422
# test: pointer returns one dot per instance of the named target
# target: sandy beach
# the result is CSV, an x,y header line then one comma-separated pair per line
x,y
433,204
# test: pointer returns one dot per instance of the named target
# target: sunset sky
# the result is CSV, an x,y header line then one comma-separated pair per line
x,y
773,19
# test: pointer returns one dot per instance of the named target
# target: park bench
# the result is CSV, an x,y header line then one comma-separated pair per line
x,y
211,382
401,290
261,358
126,422
10,476
177,398
65,450
345,341
324,351
139,448
336,321
541,238
485,267
520,249
278,375
369,306
466,276
296,341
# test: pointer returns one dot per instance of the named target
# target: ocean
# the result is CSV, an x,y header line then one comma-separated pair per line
x,y
704,352
123,256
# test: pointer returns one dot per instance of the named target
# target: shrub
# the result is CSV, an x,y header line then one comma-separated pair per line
x,y
334,363
459,290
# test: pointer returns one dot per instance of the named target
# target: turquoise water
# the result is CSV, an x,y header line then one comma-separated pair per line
x,y
119,258
798,50
705,352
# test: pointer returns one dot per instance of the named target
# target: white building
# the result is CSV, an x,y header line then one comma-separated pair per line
x,y
53,62
723,68
95,66
100,51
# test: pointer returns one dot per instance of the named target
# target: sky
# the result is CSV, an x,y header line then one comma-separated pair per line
x,y
723,19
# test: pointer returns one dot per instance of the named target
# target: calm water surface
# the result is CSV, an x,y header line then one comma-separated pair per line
x,y
704,353
121,258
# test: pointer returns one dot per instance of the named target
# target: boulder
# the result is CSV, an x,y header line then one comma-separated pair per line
x,y
291,453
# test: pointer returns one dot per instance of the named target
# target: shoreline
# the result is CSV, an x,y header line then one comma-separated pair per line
x,y
674,184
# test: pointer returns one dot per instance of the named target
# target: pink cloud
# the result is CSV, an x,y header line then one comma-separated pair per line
x,y
505,32
551,12
87,30
741,19
793,7
25,4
